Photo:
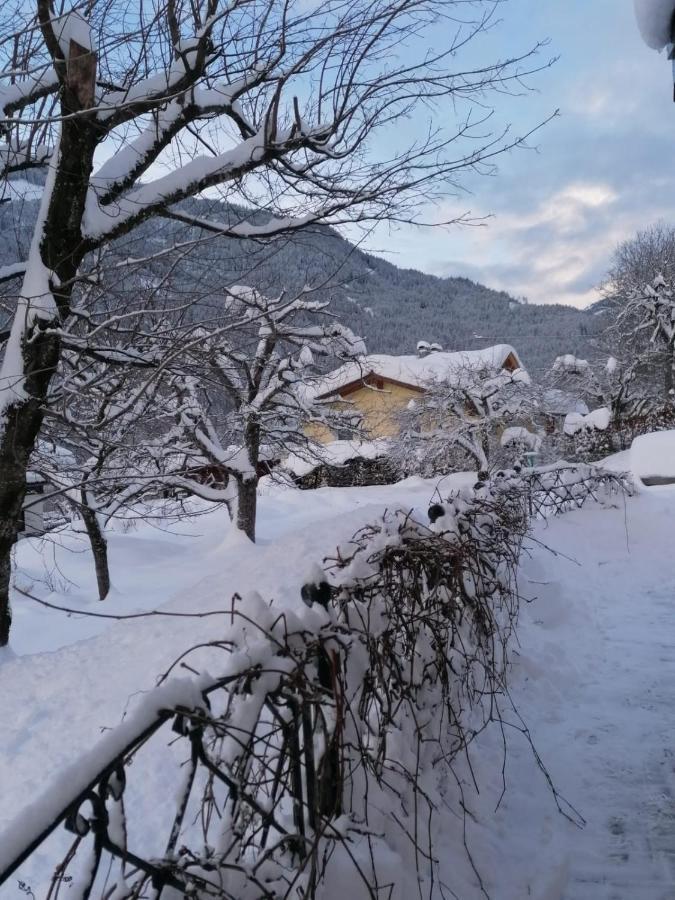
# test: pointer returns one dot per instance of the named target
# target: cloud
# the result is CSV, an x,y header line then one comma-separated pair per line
x,y
602,170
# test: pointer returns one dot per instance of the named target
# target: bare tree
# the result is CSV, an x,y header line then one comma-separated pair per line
x,y
609,383
277,102
457,419
639,298
259,369
97,424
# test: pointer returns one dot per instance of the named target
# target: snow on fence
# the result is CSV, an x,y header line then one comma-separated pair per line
x,y
556,489
324,734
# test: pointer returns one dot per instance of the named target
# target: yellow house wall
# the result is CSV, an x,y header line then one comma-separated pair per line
x,y
319,433
378,408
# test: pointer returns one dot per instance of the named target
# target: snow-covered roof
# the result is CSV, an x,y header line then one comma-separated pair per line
x,y
415,371
654,19
557,402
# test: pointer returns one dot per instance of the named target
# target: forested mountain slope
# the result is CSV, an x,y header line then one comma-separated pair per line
x,y
390,307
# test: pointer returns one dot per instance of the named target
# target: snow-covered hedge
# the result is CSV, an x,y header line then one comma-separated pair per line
x,y
312,757
317,754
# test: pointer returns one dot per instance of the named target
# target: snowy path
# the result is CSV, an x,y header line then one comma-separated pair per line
x,y
598,689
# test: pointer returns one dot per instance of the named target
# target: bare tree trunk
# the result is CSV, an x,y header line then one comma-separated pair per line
x,y
485,447
247,504
99,547
61,251
247,489
670,373
22,424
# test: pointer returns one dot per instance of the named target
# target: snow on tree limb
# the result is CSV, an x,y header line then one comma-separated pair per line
x,y
12,271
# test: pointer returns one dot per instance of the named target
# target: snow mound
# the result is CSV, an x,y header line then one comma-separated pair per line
x,y
652,457
519,435
337,453
598,420
654,20
571,364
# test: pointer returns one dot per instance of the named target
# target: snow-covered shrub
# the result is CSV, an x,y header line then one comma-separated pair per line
x,y
430,610
517,445
358,471
324,724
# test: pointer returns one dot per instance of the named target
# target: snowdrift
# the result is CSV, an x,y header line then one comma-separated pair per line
x,y
652,458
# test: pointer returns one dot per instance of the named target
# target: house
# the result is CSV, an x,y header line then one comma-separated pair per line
x,y
378,387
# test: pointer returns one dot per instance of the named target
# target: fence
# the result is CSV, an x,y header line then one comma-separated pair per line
x,y
251,739
552,490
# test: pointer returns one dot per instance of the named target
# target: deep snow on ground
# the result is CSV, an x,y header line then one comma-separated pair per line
x,y
593,677
595,680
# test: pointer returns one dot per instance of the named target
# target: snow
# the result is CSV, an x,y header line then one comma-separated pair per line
x,y
30,821
36,301
571,364
654,18
72,27
335,453
597,420
558,402
652,456
520,435
417,371
99,221
20,189
592,679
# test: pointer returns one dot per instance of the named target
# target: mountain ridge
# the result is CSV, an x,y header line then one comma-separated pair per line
x,y
390,307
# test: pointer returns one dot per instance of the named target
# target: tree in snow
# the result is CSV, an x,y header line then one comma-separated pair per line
x,y
638,295
102,417
651,311
599,385
613,393
456,421
274,102
259,370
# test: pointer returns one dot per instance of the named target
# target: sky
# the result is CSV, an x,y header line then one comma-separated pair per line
x,y
600,171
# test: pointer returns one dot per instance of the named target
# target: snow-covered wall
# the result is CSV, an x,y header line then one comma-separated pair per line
x,y
654,19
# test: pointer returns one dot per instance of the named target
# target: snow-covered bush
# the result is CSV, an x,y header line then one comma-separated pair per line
x,y
555,489
615,395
